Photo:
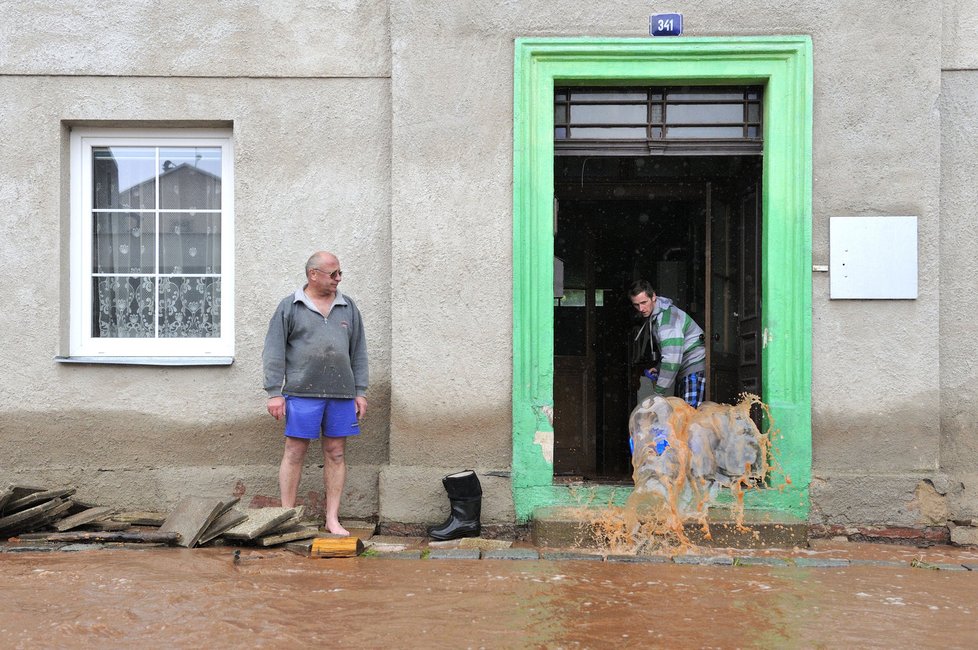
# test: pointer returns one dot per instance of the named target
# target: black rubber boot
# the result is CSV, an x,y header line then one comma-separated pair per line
x,y
465,496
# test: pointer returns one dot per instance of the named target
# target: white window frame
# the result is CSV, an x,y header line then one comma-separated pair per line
x,y
82,345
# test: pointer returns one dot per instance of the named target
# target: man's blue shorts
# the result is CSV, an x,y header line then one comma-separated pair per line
x,y
308,417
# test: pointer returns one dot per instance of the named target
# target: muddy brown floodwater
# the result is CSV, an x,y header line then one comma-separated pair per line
x,y
200,598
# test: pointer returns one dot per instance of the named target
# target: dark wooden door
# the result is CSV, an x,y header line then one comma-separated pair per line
x,y
749,319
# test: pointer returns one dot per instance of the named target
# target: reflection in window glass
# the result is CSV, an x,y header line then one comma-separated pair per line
x,y
150,264
123,177
575,298
190,178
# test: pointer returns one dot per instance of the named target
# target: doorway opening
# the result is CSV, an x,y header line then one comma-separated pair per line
x,y
689,224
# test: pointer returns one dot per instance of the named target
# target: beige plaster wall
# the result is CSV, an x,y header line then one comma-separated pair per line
x,y
959,293
876,152
305,90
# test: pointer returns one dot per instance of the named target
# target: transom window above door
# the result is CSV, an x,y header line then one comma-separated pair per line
x,y
658,118
151,244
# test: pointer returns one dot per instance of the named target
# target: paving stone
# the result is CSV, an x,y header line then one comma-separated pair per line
x,y
83,517
571,555
396,540
397,555
711,560
760,561
387,548
283,536
30,548
815,562
445,543
639,559
191,518
223,523
512,554
259,521
880,563
482,543
82,547
455,554
140,518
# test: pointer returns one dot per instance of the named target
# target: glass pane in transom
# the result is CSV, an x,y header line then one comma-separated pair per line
x,y
704,113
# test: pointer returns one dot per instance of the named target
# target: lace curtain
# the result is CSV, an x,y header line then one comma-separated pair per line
x,y
156,242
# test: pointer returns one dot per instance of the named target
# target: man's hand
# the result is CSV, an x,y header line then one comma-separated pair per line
x,y
361,403
276,407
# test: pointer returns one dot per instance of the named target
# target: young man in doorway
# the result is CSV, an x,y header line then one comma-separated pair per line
x,y
670,346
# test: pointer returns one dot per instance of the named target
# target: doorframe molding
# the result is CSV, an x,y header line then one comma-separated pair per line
x,y
783,65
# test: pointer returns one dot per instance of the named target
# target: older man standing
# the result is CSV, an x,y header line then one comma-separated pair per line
x,y
315,363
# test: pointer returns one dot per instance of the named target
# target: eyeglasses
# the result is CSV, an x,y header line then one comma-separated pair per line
x,y
335,275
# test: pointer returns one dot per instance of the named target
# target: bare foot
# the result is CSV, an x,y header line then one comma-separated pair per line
x,y
337,529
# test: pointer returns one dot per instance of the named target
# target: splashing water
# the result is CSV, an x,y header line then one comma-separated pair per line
x,y
682,459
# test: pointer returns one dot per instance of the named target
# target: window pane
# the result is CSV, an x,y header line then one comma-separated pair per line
x,y
620,133
560,114
124,242
608,114
560,133
190,178
753,112
720,95
704,113
123,307
656,113
190,242
592,95
190,307
124,177
705,132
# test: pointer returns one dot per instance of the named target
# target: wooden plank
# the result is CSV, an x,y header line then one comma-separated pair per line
x,y
336,547
150,537
83,517
191,518
20,521
5,495
16,505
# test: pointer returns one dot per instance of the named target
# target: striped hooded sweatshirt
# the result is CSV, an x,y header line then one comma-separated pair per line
x,y
680,342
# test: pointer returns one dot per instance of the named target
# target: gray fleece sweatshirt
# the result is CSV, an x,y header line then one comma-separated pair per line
x,y
310,355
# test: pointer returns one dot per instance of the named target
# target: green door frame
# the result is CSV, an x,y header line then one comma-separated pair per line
x,y
783,65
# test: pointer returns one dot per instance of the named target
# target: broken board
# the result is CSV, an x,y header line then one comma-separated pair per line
x,y
336,547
